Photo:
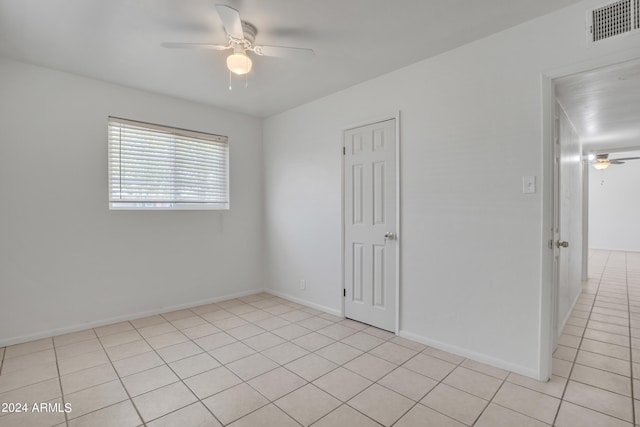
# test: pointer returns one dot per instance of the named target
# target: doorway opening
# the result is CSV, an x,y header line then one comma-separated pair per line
x,y
594,126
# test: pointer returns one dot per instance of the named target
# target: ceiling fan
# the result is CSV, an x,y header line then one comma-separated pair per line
x,y
241,36
602,161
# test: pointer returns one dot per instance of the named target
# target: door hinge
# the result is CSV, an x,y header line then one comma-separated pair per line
x,y
344,292
344,151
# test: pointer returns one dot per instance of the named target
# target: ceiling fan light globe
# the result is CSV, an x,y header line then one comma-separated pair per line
x,y
601,164
239,63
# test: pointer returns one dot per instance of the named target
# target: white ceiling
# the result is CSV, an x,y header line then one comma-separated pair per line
x,y
354,40
604,106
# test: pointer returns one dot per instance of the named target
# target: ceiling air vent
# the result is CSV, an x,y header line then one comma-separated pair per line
x,y
614,19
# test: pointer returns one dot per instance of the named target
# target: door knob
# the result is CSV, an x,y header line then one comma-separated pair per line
x,y
389,235
562,244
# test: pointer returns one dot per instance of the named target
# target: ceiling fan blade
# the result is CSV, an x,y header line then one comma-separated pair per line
x,y
195,46
231,20
616,162
625,158
284,52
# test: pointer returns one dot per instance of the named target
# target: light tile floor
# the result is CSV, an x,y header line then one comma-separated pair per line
x,y
265,361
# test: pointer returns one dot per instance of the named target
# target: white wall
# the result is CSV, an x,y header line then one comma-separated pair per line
x,y
571,209
614,205
473,247
65,259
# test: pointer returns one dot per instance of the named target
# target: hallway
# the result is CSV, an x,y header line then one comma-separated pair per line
x,y
599,351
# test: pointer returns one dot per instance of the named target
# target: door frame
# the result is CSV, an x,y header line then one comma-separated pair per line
x,y
376,119
548,289
551,186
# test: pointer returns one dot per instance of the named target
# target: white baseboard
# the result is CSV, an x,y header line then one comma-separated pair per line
x,y
304,302
478,357
97,323
635,250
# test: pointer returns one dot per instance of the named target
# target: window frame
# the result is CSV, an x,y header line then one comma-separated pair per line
x,y
162,205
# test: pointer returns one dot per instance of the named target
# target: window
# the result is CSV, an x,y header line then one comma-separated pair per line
x,y
158,167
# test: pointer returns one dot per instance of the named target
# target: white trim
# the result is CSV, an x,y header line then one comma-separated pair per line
x,y
615,249
371,120
398,222
585,221
342,224
304,302
126,317
594,63
479,357
376,119
546,333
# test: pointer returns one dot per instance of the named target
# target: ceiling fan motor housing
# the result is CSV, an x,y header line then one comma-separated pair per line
x,y
250,32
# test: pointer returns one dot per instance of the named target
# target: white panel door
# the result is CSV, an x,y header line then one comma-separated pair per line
x,y
370,224
567,227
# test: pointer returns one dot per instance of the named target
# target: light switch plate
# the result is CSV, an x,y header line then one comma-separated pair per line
x,y
528,184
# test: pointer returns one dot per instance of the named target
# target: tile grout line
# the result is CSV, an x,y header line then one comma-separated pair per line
x,y
119,379
180,379
600,388
118,374
433,388
350,407
291,341
165,363
154,350
40,364
373,383
459,364
573,362
326,373
494,396
206,352
4,353
356,331
384,340
377,381
270,402
62,396
224,365
389,340
633,411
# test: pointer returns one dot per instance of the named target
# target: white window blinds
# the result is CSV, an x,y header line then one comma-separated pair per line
x,y
158,167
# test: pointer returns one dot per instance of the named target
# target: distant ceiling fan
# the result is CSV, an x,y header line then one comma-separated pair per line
x,y
241,36
602,161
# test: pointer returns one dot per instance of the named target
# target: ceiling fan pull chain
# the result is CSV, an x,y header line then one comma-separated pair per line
x,y
246,81
602,176
230,87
